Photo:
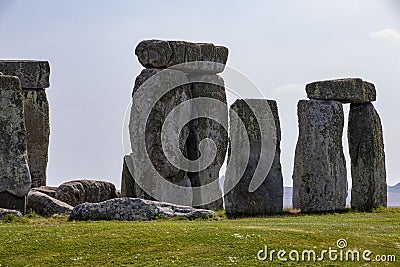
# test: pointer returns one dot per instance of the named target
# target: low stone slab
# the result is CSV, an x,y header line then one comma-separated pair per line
x,y
34,77
48,190
135,209
80,191
4,212
45,205
368,171
351,90
32,73
162,54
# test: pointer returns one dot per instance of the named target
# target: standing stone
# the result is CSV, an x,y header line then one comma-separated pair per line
x,y
5,212
128,184
319,175
201,128
268,197
184,60
129,187
367,158
351,90
155,120
34,77
15,180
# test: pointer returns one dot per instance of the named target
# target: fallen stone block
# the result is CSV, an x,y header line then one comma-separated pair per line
x,y
135,209
80,191
45,205
4,212
48,190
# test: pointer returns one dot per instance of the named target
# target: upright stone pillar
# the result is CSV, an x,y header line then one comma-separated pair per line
x,y
202,128
319,175
268,197
34,77
367,154
155,122
156,55
15,180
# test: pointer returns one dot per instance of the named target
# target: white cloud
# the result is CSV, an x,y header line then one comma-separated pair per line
x,y
388,34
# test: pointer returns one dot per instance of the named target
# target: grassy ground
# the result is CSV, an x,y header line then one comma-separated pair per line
x,y
220,242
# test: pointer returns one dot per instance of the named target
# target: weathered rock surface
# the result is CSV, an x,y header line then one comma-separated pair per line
x,y
32,73
37,123
14,172
163,54
80,191
202,128
268,197
351,90
150,88
367,154
48,190
45,205
135,209
4,212
319,175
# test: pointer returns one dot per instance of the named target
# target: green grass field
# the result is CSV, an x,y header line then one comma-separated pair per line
x,y
217,242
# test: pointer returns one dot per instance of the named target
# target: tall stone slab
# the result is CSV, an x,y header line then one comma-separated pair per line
x,y
201,128
129,187
319,175
268,197
15,180
34,77
150,86
368,172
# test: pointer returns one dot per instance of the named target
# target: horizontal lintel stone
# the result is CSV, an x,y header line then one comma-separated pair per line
x,y
349,90
32,73
163,54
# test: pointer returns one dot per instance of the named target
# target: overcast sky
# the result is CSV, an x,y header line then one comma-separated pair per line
x,y
280,45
